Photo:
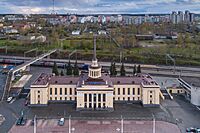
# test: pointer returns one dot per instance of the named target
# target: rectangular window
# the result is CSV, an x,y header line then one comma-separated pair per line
x,y
70,98
60,98
99,97
38,101
50,98
65,98
38,91
138,91
118,91
65,91
75,91
85,97
90,97
60,91
38,96
55,98
150,96
55,91
94,97
104,97
50,91
70,91
114,91
128,91
128,98
123,91
133,91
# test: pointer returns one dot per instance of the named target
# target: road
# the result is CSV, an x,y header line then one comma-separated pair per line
x,y
2,84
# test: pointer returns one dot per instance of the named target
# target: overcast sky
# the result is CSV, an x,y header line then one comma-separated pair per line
x,y
98,6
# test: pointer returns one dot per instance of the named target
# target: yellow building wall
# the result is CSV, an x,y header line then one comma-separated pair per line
x,y
39,96
124,97
63,96
147,93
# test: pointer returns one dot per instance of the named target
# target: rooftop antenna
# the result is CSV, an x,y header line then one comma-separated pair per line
x,y
53,12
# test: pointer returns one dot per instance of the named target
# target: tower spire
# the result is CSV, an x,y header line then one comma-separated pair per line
x,y
95,68
94,54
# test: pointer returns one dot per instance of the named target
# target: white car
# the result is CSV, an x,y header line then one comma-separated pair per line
x,y
9,99
61,122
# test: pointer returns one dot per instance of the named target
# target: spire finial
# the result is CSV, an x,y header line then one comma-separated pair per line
x,y
95,58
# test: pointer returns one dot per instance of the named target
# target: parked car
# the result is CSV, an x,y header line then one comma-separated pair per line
x,y
193,130
21,121
197,130
61,122
9,99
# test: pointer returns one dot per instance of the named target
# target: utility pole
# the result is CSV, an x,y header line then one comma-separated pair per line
x,y
35,125
122,125
154,124
73,52
168,57
70,124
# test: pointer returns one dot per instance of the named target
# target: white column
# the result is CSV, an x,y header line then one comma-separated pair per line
x,y
92,100
97,102
101,100
87,100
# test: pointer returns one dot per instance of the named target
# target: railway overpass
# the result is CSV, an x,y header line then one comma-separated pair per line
x,y
31,61
22,67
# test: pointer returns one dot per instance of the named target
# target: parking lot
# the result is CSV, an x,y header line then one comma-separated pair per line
x,y
97,126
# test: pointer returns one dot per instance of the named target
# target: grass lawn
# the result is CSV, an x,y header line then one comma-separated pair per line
x,y
189,55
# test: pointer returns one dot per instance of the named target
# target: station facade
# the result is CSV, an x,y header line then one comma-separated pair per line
x,y
95,89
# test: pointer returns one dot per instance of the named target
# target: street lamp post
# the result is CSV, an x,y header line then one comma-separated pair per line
x,y
122,125
70,124
154,124
35,125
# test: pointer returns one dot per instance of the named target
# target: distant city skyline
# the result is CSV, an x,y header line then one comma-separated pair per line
x,y
98,6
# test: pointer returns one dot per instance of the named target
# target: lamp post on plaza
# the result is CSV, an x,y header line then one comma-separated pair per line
x,y
35,125
122,125
154,123
70,124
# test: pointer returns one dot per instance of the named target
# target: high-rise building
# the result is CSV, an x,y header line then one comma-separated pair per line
x,y
191,17
180,17
174,17
187,16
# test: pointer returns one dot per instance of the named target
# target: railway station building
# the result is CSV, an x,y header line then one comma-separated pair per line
x,y
94,89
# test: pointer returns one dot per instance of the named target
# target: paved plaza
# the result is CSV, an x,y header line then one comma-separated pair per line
x,y
94,126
